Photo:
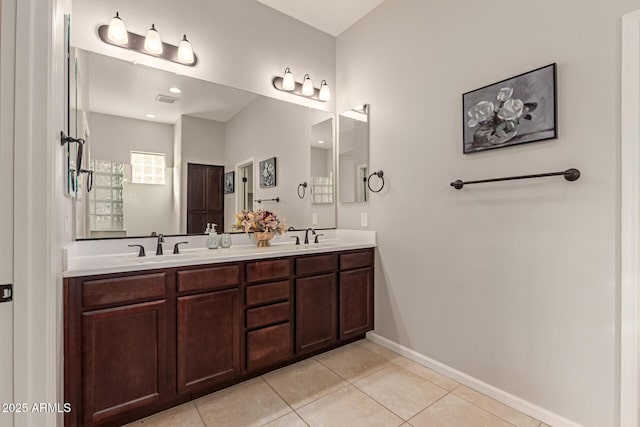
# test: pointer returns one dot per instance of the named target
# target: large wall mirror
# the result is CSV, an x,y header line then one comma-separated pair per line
x,y
172,153
353,158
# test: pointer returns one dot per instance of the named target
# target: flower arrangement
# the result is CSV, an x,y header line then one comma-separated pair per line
x,y
260,221
498,124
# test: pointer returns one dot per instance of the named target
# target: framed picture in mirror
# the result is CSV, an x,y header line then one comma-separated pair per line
x,y
229,182
268,173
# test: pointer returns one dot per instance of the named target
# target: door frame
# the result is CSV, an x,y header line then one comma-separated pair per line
x,y
629,223
7,105
41,211
250,161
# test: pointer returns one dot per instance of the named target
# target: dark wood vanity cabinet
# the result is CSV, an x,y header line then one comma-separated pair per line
x,y
138,343
269,313
356,293
123,359
208,330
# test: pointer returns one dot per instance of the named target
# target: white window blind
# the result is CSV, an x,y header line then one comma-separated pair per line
x,y
147,168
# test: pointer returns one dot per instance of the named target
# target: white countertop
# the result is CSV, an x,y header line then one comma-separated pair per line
x,y
86,258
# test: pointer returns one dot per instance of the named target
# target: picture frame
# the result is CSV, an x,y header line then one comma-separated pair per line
x,y
514,111
229,182
268,173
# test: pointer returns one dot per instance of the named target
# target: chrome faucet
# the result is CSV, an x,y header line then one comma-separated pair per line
x,y
306,235
160,242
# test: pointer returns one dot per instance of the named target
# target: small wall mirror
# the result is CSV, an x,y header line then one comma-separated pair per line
x,y
353,156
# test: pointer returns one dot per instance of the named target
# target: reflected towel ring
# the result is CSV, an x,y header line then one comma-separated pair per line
x,y
89,179
380,175
304,190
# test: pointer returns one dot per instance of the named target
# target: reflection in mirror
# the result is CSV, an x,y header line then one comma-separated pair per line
x,y
72,128
160,156
353,159
322,163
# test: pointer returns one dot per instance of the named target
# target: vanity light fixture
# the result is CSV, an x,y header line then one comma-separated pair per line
x,y
325,93
174,89
306,89
116,34
153,42
118,31
288,82
307,86
185,51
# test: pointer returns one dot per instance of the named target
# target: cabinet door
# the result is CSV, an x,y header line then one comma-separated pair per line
x,y
208,338
356,302
123,359
316,312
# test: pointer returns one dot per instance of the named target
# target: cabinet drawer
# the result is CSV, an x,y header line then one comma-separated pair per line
x,y
208,278
316,264
356,260
262,316
262,271
268,346
268,292
123,289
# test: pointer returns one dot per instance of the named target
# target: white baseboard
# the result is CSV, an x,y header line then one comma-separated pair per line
x,y
502,396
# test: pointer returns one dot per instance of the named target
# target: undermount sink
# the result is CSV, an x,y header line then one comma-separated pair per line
x,y
316,245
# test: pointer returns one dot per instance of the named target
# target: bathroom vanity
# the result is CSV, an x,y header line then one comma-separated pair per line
x,y
140,341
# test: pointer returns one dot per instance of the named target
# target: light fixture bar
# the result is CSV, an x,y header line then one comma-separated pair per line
x,y
136,43
278,84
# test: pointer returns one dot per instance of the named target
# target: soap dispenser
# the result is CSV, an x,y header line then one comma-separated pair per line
x,y
212,240
208,229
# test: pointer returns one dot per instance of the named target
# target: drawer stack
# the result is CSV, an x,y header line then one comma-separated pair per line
x,y
268,313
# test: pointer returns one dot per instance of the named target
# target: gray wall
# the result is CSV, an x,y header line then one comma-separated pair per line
x,y
113,138
201,141
239,43
147,208
513,283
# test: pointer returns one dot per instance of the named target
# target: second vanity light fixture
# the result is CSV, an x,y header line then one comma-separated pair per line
x,y
116,34
287,83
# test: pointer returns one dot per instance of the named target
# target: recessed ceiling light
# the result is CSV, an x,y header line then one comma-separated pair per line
x,y
175,90
151,116
320,142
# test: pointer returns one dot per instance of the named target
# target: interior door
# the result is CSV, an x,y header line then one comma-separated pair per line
x,y
7,63
205,197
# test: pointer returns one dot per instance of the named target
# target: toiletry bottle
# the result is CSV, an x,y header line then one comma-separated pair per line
x,y
208,229
212,240
225,240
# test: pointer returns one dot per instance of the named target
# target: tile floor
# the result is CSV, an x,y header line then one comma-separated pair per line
x,y
361,384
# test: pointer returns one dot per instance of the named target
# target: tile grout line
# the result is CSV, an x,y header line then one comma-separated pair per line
x,y
322,397
426,379
428,406
199,414
282,398
385,407
496,415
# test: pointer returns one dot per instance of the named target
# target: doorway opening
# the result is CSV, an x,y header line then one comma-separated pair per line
x,y
244,195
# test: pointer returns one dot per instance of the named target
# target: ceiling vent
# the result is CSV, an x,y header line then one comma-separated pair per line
x,y
166,99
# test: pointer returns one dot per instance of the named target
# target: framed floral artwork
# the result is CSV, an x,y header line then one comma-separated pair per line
x,y
514,111
268,173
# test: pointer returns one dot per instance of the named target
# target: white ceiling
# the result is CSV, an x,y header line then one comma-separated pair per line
x,y
121,88
330,16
